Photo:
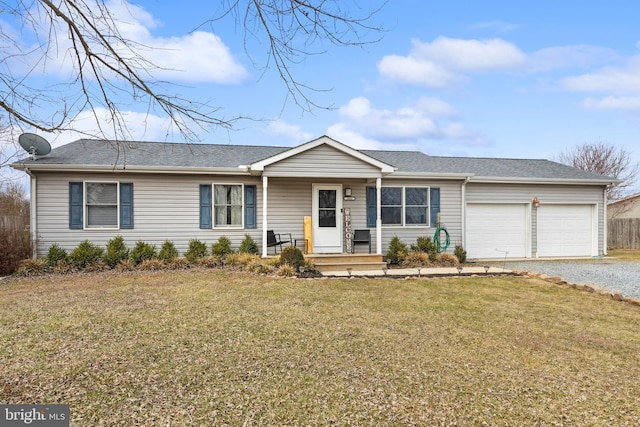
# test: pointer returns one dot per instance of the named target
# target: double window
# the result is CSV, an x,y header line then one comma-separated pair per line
x,y
404,206
100,205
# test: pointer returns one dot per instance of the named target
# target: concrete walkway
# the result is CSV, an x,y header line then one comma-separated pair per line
x,y
423,272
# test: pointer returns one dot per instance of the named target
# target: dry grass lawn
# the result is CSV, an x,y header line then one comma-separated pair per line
x,y
226,348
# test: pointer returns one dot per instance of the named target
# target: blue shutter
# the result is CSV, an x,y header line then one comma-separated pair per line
x,y
372,208
250,206
126,205
75,205
435,205
205,206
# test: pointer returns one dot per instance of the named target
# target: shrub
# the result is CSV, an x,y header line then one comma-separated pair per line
x,y
248,246
97,265
55,254
447,260
14,248
397,251
32,267
427,245
292,256
85,254
125,265
241,260
116,251
209,261
286,270
168,251
222,247
460,253
197,249
151,264
178,264
142,251
63,267
416,259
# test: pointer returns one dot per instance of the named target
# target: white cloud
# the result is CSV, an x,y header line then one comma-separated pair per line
x,y
568,56
416,71
625,103
428,119
196,57
609,79
139,127
293,132
443,61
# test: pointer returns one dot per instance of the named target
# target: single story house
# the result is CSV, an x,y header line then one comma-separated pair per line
x,y
495,208
629,207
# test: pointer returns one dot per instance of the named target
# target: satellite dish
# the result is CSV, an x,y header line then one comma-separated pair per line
x,y
34,145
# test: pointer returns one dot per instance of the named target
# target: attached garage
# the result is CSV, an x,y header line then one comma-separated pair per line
x,y
566,230
496,229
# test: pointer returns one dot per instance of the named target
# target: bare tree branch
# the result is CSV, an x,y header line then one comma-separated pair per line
x,y
605,159
108,65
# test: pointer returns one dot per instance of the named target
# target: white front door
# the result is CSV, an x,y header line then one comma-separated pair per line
x,y
327,218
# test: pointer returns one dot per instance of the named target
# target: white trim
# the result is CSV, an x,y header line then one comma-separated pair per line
x,y
213,207
324,140
339,248
265,186
378,217
85,211
605,223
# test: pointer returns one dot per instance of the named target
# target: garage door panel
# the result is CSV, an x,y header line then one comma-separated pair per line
x,y
565,230
495,229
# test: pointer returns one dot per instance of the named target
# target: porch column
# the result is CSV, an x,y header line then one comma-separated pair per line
x,y
378,218
265,184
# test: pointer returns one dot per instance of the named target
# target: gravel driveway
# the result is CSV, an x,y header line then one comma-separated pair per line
x,y
611,274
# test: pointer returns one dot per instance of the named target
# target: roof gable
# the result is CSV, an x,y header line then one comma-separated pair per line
x,y
324,140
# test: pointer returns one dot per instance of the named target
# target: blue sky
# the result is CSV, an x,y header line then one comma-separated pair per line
x,y
456,78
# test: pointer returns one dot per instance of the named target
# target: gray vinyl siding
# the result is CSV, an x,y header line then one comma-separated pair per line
x,y
551,194
165,207
322,162
450,214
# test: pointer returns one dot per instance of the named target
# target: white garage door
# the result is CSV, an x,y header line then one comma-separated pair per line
x,y
494,229
565,230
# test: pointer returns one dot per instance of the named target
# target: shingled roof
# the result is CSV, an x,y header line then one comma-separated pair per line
x,y
87,153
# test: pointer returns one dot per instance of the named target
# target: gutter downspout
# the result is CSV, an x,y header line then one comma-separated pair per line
x,y
32,212
463,210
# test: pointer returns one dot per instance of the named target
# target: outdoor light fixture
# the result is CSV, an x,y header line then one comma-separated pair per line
x,y
384,270
486,268
459,268
536,202
349,271
347,192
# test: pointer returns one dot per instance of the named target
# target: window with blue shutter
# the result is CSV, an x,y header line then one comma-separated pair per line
x,y
250,211
371,206
76,208
205,206
126,205
435,205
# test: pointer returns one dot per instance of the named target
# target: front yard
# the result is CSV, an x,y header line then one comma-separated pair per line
x,y
216,347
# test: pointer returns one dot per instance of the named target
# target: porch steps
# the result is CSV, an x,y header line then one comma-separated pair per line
x,y
340,262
